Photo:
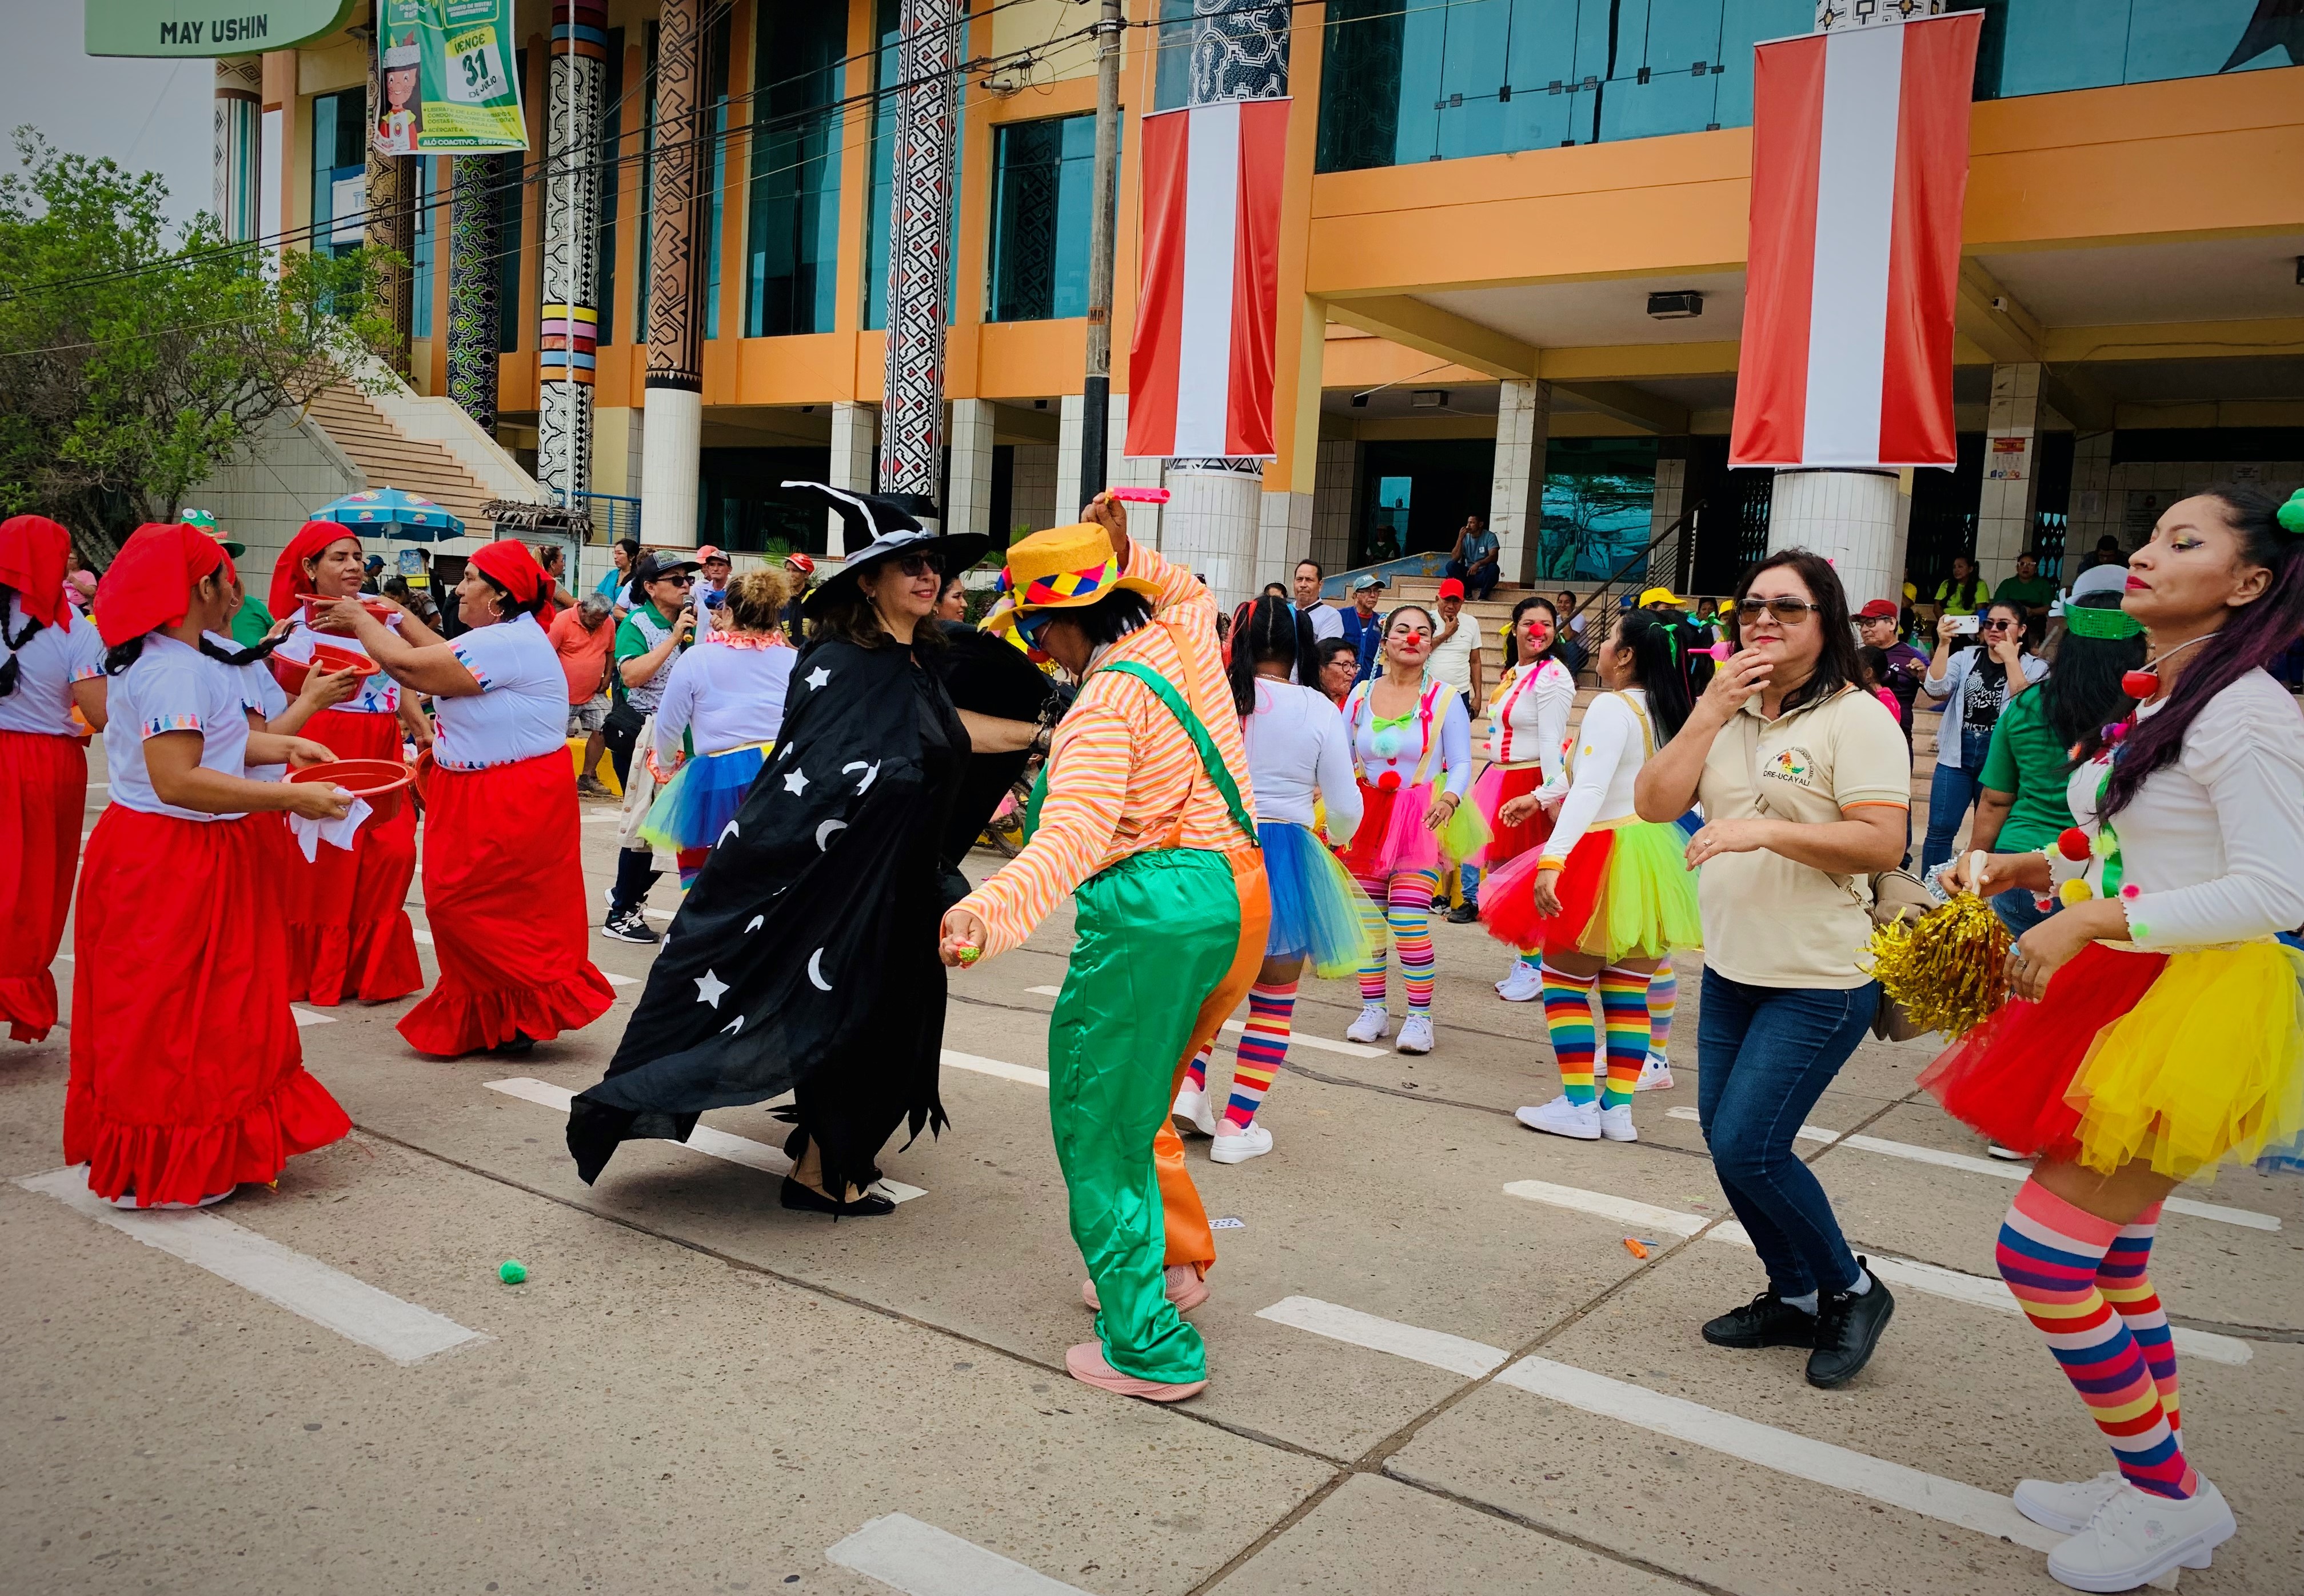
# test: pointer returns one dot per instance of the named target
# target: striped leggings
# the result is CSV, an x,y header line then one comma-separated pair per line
x,y
1405,902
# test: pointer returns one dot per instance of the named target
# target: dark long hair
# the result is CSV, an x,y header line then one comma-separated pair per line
x,y
2083,692
1263,631
2251,638
241,656
1965,592
1512,632
1657,649
1836,666
8,672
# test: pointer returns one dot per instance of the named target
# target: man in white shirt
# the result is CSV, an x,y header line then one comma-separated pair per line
x,y
1455,657
1326,621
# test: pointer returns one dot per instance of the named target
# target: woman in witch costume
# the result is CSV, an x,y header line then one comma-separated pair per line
x,y
804,957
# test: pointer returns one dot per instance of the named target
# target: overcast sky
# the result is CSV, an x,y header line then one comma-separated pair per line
x,y
149,115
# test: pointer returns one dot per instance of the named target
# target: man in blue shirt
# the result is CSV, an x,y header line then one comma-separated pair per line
x,y
1363,628
1473,560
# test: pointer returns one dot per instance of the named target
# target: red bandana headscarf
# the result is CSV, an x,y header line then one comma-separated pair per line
x,y
150,585
33,552
508,563
288,578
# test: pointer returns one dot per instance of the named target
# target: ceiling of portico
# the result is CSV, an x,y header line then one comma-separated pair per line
x,y
2193,280
1571,314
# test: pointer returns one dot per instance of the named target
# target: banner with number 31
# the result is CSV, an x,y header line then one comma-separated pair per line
x,y
466,87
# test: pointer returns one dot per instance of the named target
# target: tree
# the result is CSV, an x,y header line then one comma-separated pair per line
x,y
131,369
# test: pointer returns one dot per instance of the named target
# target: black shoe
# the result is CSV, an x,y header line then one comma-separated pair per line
x,y
1847,1328
1766,1321
629,925
1439,905
1463,914
521,1043
807,1199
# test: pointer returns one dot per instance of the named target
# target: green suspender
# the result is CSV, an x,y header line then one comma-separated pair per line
x,y
1211,761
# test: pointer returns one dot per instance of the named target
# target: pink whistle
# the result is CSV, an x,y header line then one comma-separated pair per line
x,y
1719,651
1141,495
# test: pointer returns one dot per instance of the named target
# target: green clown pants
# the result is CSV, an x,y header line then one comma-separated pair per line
x,y
1157,934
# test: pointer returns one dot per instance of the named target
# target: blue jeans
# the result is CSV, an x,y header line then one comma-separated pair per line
x,y
1479,580
1764,1056
2018,911
1951,792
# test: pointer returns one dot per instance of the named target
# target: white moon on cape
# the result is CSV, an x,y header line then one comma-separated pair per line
x,y
815,971
757,921
825,830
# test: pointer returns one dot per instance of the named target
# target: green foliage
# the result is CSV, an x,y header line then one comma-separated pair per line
x,y
132,367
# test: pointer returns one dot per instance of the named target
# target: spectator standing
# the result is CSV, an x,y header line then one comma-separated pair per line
x,y
553,560
1977,683
1876,626
581,637
1473,558
1362,627
1326,622
612,584
800,566
1456,651
710,593
649,640
1572,650
1339,664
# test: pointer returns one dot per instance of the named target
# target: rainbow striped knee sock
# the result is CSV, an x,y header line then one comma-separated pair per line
x,y
1568,1015
1624,1005
1663,1003
1263,1049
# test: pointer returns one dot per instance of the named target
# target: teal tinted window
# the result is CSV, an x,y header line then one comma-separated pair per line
x,y
1598,494
885,77
614,148
1042,173
792,247
510,180
339,171
716,166
428,228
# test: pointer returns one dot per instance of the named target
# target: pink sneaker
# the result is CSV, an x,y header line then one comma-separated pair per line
x,y
1085,1365
1186,1289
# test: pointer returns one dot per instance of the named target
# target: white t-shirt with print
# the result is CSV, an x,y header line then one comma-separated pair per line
x,y
46,666
173,686
522,711
378,695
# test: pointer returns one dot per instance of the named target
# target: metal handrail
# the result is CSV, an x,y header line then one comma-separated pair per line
x,y
1639,557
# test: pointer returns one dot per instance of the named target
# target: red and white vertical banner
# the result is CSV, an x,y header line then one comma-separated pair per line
x,y
1200,367
1860,164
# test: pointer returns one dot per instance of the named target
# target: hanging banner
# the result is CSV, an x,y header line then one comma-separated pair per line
x,y
1860,161
451,78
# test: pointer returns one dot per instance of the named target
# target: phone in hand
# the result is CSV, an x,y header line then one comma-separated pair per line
x,y
1967,626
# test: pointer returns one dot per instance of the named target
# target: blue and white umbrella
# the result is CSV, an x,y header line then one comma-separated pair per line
x,y
410,517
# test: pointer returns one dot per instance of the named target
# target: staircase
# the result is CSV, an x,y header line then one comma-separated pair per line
x,y
427,445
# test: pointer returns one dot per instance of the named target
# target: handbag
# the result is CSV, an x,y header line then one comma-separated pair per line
x,y
1889,896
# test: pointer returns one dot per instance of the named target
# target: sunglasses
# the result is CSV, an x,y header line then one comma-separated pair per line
x,y
1994,626
678,579
919,565
1785,610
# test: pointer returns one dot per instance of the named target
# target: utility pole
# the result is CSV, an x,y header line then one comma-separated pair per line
x,y
1096,392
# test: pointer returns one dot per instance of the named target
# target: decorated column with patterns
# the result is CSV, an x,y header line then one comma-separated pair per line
x,y
392,225
673,407
473,333
571,226
911,419
238,141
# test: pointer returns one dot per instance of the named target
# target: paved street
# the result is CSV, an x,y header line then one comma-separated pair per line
x,y
1436,1365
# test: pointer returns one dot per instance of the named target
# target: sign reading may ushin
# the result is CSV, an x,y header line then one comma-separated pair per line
x,y
469,94
209,27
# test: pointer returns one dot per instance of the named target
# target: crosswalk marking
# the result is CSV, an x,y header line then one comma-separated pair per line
x,y
1948,1501
1932,1280
352,1308
920,1559
1022,1073
1914,1153
306,1018
1350,1049
703,1138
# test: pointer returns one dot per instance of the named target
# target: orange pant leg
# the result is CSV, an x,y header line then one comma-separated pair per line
x,y
1190,1239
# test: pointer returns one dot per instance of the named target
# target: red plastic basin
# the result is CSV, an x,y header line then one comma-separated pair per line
x,y
378,780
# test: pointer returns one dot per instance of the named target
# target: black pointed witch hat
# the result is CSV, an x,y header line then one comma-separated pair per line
x,y
874,527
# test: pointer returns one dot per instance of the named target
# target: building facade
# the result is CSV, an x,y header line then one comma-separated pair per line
x,y
1511,268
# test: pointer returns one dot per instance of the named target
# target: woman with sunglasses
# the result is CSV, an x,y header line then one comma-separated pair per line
x,y
1528,753
1975,681
803,958
1805,780
1412,748
2153,1034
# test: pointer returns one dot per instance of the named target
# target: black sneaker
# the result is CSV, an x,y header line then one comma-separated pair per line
x,y
1463,914
1847,1328
1766,1321
628,925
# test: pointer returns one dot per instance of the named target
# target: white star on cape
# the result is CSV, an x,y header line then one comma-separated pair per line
x,y
817,678
796,784
709,988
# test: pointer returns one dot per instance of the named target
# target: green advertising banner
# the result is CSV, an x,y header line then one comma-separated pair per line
x,y
450,77
209,27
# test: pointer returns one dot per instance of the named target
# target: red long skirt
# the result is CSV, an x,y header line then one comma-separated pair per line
x,y
43,797
187,1078
349,934
503,894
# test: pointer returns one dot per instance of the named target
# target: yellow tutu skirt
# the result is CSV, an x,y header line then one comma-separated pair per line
x,y
2207,1067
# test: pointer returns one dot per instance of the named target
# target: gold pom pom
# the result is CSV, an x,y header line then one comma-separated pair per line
x,y
1948,967
2075,890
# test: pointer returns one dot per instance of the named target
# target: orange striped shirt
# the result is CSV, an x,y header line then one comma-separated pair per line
x,y
1123,775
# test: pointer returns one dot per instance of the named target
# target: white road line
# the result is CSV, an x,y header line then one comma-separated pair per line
x,y
1006,1072
2006,1171
306,1017
703,1138
1948,1501
614,979
423,937
1932,1280
616,819
920,1559
1454,1353
352,1308
1350,1049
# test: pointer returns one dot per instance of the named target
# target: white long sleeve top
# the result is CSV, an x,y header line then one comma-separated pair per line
x,y
1297,746
1433,745
727,696
1611,746
2214,841
1527,723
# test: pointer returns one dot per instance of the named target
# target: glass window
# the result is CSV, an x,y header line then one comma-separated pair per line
x,y
339,171
611,150
427,189
1172,77
715,93
1042,171
511,177
792,246
1598,495
644,251
886,75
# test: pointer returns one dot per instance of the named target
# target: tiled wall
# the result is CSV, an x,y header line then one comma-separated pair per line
x,y
2126,500
261,498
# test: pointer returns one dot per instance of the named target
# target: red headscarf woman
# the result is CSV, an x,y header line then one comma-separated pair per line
x,y
504,881
51,662
186,1077
348,931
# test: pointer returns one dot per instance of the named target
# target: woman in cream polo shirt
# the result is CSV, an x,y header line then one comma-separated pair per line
x,y
1805,780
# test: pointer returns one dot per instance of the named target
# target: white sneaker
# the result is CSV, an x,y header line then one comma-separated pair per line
x,y
1656,1074
2134,1537
2008,1155
1232,1147
1616,1124
1371,1026
1191,1114
1523,984
1561,1118
1415,1035
2067,1508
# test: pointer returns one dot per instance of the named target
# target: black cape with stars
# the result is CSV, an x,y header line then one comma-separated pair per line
x,y
804,957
